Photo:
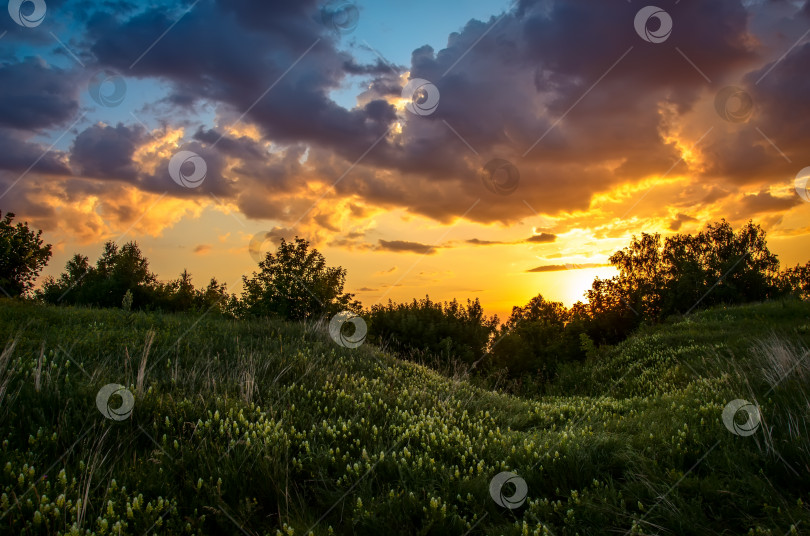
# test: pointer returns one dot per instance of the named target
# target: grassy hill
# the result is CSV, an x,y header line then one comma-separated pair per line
x,y
262,427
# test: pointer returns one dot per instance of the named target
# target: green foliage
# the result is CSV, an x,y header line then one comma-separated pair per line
x,y
258,426
22,256
121,278
117,271
447,331
535,339
295,283
715,266
126,303
796,281
181,295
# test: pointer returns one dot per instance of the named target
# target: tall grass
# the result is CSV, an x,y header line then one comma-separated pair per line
x,y
261,426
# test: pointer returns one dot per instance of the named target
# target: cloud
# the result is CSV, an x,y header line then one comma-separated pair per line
x,y
400,246
386,272
551,54
479,242
765,202
202,249
542,238
107,152
21,155
679,220
562,267
39,97
564,90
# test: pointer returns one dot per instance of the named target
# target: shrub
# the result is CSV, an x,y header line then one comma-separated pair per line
x,y
449,330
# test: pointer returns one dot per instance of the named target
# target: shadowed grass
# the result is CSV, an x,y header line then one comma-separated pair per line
x,y
263,426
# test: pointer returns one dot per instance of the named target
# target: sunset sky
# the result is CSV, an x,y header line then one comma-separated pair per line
x,y
535,138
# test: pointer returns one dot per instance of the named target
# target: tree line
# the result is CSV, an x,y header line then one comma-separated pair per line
x,y
657,278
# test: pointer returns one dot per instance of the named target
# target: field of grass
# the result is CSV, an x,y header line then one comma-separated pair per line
x,y
263,427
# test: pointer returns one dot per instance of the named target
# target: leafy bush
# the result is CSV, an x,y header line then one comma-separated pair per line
x,y
122,275
535,339
448,330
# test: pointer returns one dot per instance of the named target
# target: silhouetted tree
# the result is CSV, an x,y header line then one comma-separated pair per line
x,y
117,271
181,295
536,338
448,330
295,283
796,281
22,256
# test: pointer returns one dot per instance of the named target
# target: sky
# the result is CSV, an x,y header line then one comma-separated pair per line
x,y
483,148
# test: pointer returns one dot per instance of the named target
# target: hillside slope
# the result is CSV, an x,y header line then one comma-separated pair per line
x,y
259,427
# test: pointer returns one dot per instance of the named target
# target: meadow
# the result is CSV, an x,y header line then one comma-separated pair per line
x,y
260,426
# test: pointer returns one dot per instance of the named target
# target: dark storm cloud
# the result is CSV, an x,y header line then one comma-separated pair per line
x,y
507,82
106,152
777,134
378,68
34,95
18,155
235,52
564,90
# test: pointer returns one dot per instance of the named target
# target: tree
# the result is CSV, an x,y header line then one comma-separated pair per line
x,y
180,295
71,285
536,338
718,266
640,280
296,283
796,281
22,256
447,331
117,271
